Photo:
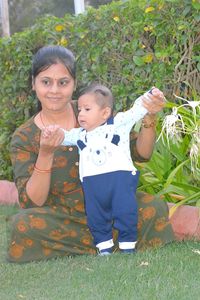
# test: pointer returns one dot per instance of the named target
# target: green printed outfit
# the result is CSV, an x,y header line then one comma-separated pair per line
x,y
59,227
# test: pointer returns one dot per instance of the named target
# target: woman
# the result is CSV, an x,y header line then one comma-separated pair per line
x,y
52,221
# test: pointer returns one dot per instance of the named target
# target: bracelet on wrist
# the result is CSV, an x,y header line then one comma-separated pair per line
x,y
149,123
42,170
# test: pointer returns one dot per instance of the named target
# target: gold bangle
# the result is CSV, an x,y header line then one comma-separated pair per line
x,y
42,171
145,124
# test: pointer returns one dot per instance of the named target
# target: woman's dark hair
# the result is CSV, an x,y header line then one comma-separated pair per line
x,y
50,55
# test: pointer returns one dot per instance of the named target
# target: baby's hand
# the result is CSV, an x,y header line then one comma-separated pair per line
x,y
47,131
60,134
51,137
154,100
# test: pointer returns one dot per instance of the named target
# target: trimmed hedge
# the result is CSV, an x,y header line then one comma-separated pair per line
x,y
129,46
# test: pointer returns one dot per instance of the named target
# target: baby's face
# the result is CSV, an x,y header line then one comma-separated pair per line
x,y
91,115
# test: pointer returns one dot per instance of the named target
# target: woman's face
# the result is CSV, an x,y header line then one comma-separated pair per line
x,y
54,87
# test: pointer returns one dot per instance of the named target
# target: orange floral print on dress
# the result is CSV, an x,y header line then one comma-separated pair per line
x,y
23,156
22,137
65,210
28,242
148,213
21,183
66,222
37,223
73,173
16,250
155,242
79,250
72,233
22,226
33,148
46,251
147,198
56,234
57,246
60,162
24,197
30,169
91,251
160,224
142,245
62,200
80,207
86,240
55,190
68,187
82,221
26,128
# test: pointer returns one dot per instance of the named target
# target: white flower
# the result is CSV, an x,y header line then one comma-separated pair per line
x,y
192,104
173,126
181,123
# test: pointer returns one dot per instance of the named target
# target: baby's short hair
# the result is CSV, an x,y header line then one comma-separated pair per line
x,y
104,96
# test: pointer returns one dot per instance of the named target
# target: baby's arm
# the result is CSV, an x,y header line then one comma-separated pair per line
x,y
138,110
66,137
134,114
70,137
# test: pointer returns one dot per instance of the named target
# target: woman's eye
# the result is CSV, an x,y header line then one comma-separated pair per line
x,y
46,82
63,82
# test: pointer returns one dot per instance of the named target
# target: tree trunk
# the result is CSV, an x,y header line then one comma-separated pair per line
x,y
5,18
79,6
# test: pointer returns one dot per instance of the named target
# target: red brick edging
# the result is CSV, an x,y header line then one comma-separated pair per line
x,y
186,222
8,193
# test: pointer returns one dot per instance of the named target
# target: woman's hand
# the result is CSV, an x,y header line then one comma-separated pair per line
x,y
38,184
155,102
51,137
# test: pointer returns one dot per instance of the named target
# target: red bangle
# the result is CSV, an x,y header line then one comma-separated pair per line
x,y
42,171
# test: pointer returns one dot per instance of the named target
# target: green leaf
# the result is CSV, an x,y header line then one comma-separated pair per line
x,y
173,173
198,203
138,61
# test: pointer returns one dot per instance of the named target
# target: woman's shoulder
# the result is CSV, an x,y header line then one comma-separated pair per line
x,y
27,124
27,129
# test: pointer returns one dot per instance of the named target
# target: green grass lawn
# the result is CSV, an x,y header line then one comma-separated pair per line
x,y
172,272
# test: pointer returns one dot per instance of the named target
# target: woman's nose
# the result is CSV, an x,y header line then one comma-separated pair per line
x,y
54,87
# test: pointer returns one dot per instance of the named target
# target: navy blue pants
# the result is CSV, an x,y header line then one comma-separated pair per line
x,y
110,202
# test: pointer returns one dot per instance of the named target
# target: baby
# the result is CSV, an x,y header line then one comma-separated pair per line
x,y
108,176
